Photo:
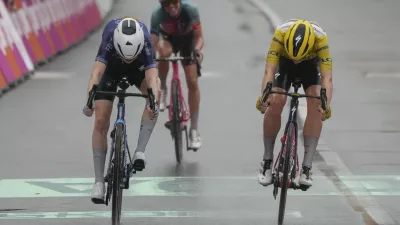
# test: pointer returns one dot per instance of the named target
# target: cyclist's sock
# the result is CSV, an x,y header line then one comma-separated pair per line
x,y
194,118
146,128
99,159
310,146
269,143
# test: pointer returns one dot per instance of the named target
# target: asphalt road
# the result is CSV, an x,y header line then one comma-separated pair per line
x,y
46,167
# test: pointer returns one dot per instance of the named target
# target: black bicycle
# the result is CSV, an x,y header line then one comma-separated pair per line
x,y
119,171
287,159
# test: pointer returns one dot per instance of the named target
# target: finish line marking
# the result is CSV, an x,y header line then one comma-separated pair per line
x,y
197,186
147,214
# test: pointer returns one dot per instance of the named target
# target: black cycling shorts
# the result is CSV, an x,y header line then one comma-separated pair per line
x,y
307,71
183,44
115,70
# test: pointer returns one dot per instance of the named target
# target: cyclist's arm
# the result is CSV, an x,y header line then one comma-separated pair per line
x,y
325,64
272,59
197,29
98,70
102,56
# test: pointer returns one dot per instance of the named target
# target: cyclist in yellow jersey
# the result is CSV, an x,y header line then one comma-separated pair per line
x,y
299,49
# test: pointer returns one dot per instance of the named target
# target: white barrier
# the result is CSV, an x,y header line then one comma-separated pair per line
x,y
33,31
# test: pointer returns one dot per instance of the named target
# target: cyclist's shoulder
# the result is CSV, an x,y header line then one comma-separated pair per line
x,y
283,27
111,25
318,30
189,6
158,10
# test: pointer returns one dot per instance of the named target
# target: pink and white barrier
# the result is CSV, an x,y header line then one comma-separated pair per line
x,y
33,30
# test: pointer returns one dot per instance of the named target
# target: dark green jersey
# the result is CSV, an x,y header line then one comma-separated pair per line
x,y
187,21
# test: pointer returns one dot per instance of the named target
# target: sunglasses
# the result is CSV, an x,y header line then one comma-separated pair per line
x,y
168,2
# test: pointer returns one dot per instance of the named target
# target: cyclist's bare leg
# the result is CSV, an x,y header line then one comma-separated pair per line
x,y
311,132
272,122
194,103
312,125
103,109
193,93
272,125
146,129
165,50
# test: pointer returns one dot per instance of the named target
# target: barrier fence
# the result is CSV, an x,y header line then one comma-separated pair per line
x,y
32,31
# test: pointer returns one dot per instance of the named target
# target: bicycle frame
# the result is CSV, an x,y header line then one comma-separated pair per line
x,y
185,115
121,120
287,163
292,119
294,102
121,94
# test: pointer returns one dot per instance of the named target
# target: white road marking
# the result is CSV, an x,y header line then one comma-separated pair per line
x,y
210,74
40,75
395,75
374,209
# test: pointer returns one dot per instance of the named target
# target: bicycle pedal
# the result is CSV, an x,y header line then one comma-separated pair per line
x,y
98,201
168,125
138,165
192,149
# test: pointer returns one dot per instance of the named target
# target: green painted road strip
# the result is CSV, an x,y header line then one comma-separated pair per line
x,y
147,214
195,186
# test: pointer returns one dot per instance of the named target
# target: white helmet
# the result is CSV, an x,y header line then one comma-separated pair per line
x,y
128,38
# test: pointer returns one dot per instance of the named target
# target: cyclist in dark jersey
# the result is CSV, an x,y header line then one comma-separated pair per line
x,y
125,50
178,23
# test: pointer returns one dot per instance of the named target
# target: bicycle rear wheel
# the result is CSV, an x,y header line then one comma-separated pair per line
x,y
117,171
176,121
289,143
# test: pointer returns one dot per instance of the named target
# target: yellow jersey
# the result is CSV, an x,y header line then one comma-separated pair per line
x,y
320,49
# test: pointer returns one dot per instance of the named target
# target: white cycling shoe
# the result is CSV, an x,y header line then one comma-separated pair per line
x,y
306,176
194,140
98,192
265,173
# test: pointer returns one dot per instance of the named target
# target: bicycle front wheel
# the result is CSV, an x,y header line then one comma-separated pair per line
x,y
176,121
117,175
289,143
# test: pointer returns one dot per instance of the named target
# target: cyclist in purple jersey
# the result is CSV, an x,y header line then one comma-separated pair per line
x,y
125,50
178,23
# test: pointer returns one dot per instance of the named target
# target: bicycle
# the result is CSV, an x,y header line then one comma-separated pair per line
x,y
288,152
119,172
178,113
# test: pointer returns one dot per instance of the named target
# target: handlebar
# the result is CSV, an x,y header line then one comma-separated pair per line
x,y
268,90
120,93
175,59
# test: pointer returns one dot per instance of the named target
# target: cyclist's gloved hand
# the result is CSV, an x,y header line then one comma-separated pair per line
x,y
199,55
153,113
325,115
88,112
261,107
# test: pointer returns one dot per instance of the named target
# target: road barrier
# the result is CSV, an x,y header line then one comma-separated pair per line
x,y
34,31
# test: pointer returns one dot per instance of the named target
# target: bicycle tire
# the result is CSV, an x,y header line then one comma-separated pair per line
x,y
288,142
176,121
118,165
